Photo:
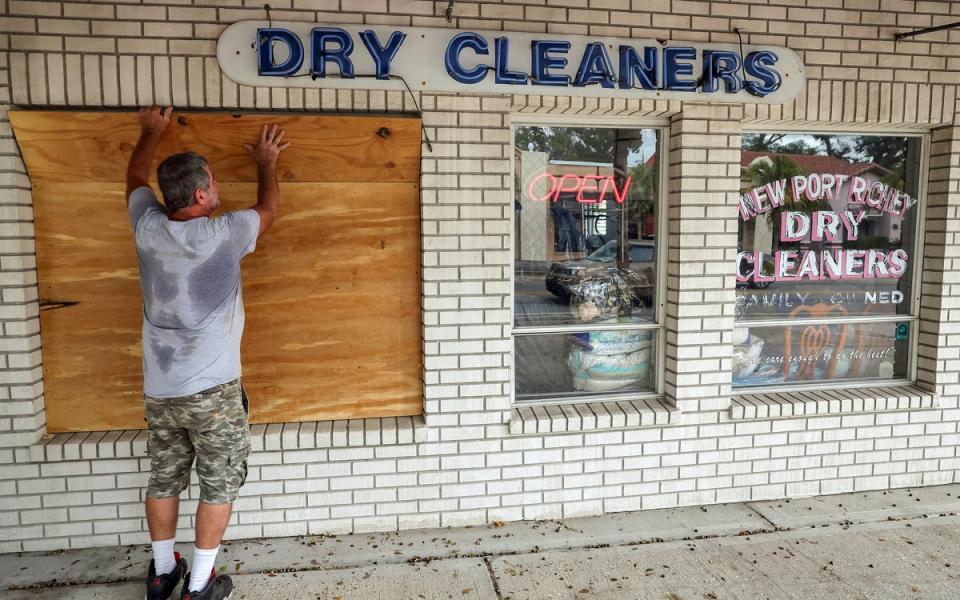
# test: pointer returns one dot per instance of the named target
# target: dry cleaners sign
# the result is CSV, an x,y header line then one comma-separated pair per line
x,y
290,54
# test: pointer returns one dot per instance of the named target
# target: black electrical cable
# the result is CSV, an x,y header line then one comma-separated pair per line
x,y
256,46
423,129
426,138
743,71
906,34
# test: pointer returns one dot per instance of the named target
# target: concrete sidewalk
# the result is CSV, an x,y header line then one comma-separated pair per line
x,y
872,545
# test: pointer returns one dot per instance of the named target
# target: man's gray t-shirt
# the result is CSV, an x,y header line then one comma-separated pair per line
x,y
192,301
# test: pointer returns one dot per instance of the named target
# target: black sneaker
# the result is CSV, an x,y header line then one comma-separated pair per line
x,y
161,587
220,587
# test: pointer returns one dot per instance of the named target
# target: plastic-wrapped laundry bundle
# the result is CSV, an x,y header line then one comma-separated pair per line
x,y
610,366
741,335
609,292
747,350
603,361
592,384
606,343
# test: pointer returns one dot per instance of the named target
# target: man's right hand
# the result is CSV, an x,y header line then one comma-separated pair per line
x,y
266,153
268,149
153,119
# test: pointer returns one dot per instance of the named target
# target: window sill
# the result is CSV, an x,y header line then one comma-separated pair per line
x,y
830,402
384,431
589,416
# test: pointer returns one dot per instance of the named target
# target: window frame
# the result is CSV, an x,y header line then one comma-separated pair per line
x,y
923,177
661,232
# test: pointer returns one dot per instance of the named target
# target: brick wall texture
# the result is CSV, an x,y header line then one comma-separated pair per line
x,y
465,466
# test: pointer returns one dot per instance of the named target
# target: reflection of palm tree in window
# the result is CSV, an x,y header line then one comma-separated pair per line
x,y
770,169
895,177
643,194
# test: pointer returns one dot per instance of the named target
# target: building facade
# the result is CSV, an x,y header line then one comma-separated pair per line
x,y
483,450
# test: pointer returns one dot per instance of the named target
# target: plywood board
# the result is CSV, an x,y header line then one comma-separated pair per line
x,y
91,310
332,298
95,146
344,264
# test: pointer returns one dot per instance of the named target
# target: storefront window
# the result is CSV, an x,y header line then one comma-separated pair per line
x,y
827,249
585,262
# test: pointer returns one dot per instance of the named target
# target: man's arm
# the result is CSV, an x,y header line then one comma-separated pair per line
x,y
266,153
153,121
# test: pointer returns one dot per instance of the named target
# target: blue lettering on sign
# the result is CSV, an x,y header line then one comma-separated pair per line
x,y
670,68
595,67
501,49
320,36
632,66
721,65
673,69
758,65
455,68
265,56
543,62
382,55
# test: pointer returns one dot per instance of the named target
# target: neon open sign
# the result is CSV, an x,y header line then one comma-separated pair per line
x,y
589,189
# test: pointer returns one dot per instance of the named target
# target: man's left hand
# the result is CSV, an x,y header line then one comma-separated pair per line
x,y
153,119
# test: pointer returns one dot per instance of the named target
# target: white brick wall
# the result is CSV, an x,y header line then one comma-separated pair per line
x,y
702,235
461,464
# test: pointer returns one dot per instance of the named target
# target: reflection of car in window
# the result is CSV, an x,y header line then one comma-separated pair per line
x,y
640,252
565,279
746,270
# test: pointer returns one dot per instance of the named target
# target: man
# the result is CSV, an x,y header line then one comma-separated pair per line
x,y
192,324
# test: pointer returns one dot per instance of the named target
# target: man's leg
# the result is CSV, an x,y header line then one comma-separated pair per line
x,y
222,442
171,457
162,515
212,521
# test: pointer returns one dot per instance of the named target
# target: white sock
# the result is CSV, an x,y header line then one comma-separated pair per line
x,y
202,566
163,559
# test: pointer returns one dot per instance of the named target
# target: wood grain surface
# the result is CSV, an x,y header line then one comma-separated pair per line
x,y
95,146
333,304
332,297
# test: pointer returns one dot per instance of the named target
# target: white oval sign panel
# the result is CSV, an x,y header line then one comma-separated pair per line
x,y
295,54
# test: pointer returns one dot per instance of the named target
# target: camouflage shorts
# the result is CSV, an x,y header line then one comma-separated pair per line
x,y
210,426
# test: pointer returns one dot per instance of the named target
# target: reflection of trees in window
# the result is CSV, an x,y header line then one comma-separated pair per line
x,y
569,143
762,142
826,145
888,152
773,142
643,193
836,147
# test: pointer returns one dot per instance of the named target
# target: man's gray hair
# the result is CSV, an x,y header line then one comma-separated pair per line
x,y
179,176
